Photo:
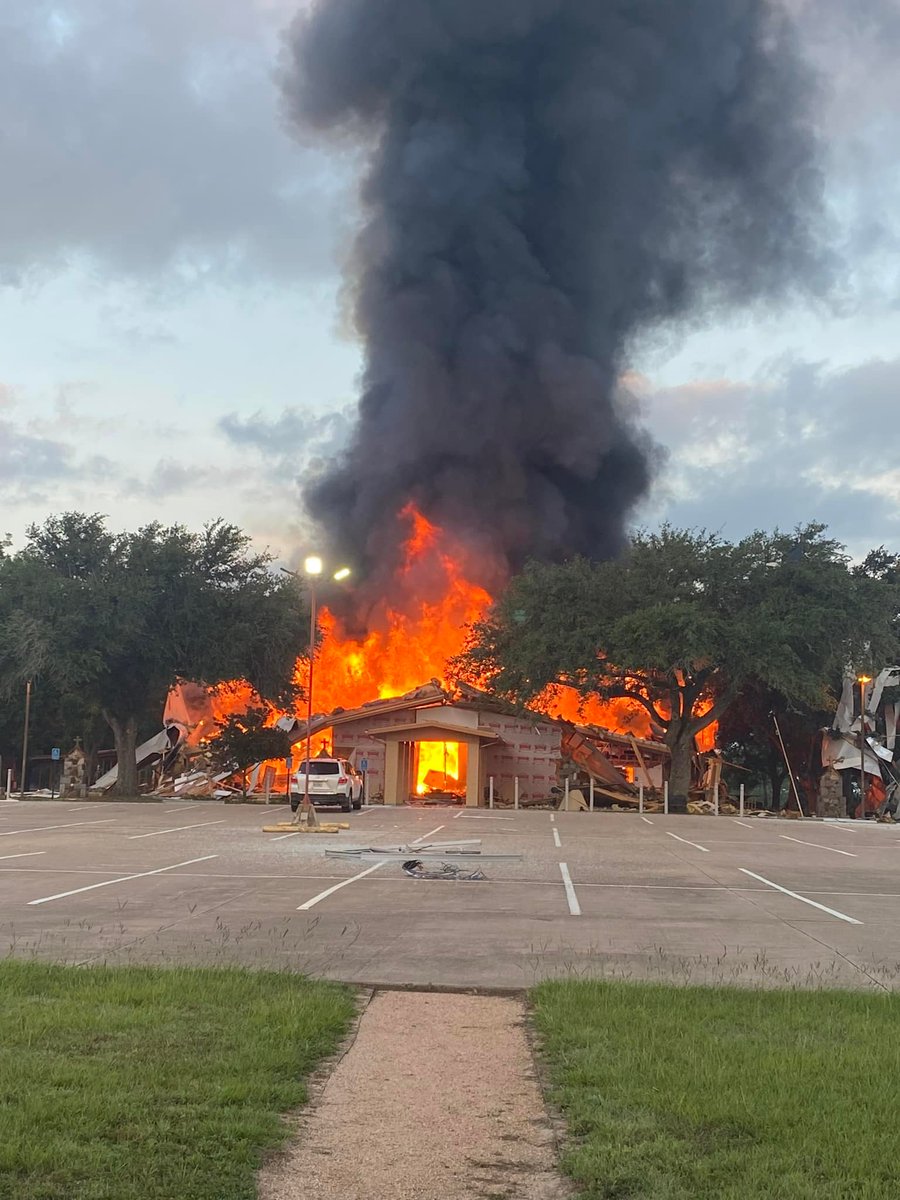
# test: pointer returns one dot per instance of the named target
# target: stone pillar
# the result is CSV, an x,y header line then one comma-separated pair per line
x,y
831,794
473,774
72,784
392,773
406,784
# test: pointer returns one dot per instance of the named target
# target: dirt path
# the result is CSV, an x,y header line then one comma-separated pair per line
x,y
436,1100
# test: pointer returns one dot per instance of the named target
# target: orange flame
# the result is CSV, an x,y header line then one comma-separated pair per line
x,y
413,633
438,767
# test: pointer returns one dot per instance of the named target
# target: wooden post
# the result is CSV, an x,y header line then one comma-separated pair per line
x,y
592,793
491,792
516,793
567,794
637,753
666,797
641,798
742,799
718,780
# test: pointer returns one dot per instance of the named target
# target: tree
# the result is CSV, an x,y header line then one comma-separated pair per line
x,y
245,739
748,738
682,621
115,619
56,719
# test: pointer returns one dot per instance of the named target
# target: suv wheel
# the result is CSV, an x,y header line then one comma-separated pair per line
x,y
357,804
347,803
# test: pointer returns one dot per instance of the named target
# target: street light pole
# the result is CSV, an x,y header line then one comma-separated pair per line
x,y
312,568
25,739
863,680
311,572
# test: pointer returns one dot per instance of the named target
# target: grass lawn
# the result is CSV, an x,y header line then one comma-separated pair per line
x,y
695,1093
126,1083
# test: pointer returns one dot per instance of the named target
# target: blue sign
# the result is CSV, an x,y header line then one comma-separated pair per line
x,y
364,765
54,754
289,762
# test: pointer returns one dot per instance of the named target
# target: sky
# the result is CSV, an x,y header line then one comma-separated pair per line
x,y
172,338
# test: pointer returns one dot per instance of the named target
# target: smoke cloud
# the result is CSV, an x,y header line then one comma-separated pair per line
x,y
545,179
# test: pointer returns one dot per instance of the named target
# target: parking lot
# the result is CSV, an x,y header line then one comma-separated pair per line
x,y
697,899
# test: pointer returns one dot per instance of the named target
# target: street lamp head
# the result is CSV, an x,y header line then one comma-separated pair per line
x,y
864,679
342,574
313,566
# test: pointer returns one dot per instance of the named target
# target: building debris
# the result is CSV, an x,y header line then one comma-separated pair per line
x,y
431,745
861,744
464,850
416,869
293,827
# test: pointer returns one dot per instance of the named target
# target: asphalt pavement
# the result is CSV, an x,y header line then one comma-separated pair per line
x,y
677,898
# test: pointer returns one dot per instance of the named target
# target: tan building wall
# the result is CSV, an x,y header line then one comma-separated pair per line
x,y
528,750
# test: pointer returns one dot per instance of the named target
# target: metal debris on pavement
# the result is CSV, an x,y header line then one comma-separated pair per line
x,y
416,869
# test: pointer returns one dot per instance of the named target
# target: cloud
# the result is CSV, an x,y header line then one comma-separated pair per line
x,y
297,435
46,460
170,478
799,442
146,138
27,460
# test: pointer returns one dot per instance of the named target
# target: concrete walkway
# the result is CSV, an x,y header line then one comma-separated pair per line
x,y
435,1100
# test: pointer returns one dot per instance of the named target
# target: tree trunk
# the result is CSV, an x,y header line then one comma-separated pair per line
x,y
680,766
125,734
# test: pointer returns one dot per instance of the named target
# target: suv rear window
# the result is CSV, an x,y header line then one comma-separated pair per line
x,y
320,768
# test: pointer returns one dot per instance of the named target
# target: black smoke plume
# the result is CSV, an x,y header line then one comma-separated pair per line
x,y
545,180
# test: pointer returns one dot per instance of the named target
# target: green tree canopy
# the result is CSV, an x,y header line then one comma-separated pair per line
x,y
245,739
683,620
115,619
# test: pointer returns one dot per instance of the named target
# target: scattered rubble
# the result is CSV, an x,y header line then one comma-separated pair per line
x,y
862,741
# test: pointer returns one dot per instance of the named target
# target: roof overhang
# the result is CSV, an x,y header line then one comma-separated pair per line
x,y
434,731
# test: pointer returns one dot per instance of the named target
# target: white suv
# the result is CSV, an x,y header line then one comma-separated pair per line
x,y
331,781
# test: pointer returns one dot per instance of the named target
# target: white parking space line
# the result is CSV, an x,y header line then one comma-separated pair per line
x,y
177,829
426,835
574,906
181,808
308,904
552,818
24,854
337,887
122,879
82,808
686,842
743,824
647,819
474,818
44,828
832,912
556,837
841,829
282,836
458,815
815,845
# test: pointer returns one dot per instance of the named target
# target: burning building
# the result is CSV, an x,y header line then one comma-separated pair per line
x,y
543,183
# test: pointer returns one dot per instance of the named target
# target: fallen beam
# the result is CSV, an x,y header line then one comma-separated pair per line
x,y
402,856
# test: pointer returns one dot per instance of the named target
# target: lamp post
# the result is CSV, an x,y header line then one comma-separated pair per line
x,y
25,739
312,569
862,681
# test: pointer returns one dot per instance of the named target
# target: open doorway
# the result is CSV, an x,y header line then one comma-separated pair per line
x,y
441,769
